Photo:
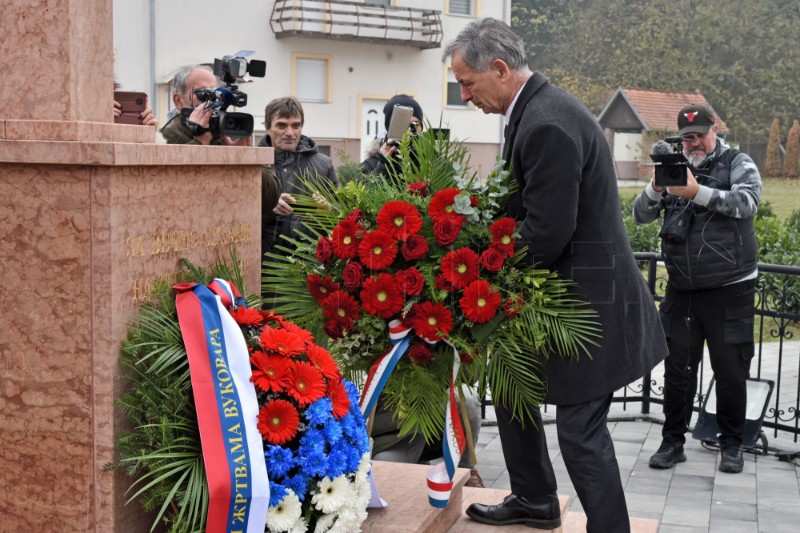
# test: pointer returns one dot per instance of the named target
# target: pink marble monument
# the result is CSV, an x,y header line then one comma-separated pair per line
x,y
91,213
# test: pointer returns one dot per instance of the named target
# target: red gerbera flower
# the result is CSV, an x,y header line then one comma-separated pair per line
x,y
323,361
420,353
377,250
270,316
341,307
432,321
381,296
281,342
399,219
344,238
338,395
503,235
278,421
297,330
480,302
324,252
271,372
245,316
461,267
319,287
306,384
442,203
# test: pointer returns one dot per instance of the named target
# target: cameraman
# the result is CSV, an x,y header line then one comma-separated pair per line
x,y
382,152
186,80
709,247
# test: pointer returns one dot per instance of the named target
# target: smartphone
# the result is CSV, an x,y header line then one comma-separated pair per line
x,y
398,125
133,104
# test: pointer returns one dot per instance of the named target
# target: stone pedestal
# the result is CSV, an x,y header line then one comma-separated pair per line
x,y
92,212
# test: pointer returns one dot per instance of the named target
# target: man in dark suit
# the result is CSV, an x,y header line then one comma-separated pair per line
x,y
568,204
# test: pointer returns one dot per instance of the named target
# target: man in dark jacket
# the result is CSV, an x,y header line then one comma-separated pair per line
x,y
295,155
710,251
568,204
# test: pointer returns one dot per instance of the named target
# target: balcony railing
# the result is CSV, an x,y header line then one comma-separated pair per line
x,y
353,21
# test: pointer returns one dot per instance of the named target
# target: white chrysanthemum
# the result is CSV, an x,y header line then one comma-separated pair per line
x,y
299,526
324,523
362,474
363,496
347,521
282,517
332,495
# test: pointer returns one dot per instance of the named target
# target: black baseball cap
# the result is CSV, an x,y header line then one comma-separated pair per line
x,y
695,119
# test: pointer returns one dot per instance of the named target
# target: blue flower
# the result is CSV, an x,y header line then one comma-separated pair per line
x,y
320,412
333,433
337,461
277,493
279,461
299,484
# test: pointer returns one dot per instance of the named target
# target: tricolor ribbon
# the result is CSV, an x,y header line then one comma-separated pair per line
x,y
440,476
227,408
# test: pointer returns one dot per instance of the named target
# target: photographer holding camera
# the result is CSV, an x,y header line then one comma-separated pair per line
x,y
184,95
709,247
382,152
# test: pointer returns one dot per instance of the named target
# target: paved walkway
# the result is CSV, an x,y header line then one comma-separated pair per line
x,y
694,496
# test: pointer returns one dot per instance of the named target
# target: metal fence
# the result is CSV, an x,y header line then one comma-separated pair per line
x,y
777,356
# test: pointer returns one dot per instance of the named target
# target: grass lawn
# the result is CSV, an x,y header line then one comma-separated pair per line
x,y
782,194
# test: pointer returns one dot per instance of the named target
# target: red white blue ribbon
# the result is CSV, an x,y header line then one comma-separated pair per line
x,y
227,409
440,476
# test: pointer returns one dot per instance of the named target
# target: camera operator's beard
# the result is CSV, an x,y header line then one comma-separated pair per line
x,y
696,157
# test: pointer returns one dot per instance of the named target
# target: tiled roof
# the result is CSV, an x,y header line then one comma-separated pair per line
x,y
659,109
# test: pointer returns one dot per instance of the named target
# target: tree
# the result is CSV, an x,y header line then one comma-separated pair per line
x,y
772,167
791,165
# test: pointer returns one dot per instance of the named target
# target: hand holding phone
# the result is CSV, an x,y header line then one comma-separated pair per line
x,y
131,107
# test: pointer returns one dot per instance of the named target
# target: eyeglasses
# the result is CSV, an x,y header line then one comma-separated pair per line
x,y
692,137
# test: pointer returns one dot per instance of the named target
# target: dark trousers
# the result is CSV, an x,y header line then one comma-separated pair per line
x,y
588,453
723,318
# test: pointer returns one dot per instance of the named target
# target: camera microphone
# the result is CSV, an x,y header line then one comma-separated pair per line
x,y
661,148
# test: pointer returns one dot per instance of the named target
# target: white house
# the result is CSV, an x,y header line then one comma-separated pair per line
x,y
342,58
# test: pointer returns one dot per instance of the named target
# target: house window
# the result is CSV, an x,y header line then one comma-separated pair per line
x,y
379,2
460,7
312,78
453,91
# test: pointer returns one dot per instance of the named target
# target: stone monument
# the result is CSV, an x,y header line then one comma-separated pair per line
x,y
92,212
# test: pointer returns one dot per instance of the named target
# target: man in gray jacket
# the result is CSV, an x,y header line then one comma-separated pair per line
x,y
295,155
568,204
709,248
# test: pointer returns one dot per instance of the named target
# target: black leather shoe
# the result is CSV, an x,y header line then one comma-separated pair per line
x,y
667,455
519,510
732,460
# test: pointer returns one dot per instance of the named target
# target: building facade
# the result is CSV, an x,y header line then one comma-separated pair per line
x,y
342,59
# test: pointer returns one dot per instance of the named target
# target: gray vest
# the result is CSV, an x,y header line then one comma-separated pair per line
x,y
703,249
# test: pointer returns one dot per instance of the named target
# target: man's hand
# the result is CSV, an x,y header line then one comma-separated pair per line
x,y
147,117
201,115
387,150
689,191
241,141
283,208
117,109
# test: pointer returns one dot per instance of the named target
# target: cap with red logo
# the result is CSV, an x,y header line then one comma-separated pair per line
x,y
695,119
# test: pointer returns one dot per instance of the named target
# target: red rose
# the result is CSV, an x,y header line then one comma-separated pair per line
x,y
466,357
355,216
513,305
324,249
473,201
446,230
353,275
442,284
419,188
415,247
410,281
334,329
492,259
420,354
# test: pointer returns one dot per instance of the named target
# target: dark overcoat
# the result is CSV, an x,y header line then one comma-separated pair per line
x,y
569,205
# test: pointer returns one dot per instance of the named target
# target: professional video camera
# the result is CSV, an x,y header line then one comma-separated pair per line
x,y
230,69
670,163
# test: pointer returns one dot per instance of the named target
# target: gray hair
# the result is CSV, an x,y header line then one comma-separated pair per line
x,y
484,40
180,81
